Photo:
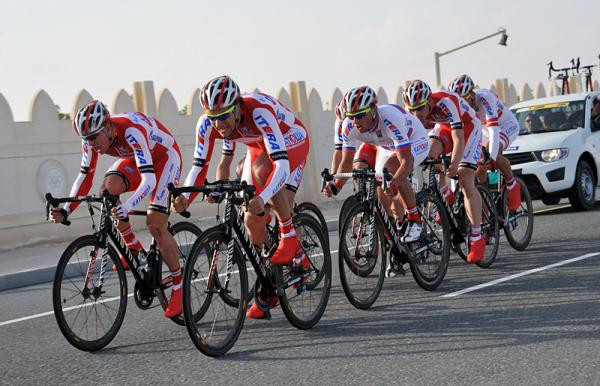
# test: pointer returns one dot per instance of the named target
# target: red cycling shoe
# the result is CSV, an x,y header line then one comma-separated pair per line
x,y
286,250
257,312
476,250
175,304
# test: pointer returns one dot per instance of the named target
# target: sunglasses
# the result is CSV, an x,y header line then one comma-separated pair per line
x,y
358,115
418,107
221,116
93,137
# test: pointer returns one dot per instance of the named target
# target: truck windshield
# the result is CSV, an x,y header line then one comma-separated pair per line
x,y
557,116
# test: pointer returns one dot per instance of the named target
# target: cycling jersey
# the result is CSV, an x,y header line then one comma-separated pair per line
x,y
147,145
394,130
451,112
266,125
501,124
450,109
337,135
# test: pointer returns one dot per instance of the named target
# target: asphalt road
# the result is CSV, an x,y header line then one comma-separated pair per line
x,y
538,328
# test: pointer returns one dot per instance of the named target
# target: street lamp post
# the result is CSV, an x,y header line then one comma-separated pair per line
x,y
437,55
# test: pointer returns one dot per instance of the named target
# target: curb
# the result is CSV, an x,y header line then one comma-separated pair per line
x,y
46,274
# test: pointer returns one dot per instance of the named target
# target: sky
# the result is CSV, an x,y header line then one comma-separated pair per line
x,y
64,46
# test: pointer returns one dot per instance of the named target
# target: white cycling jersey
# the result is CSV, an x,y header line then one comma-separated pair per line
x,y
500,123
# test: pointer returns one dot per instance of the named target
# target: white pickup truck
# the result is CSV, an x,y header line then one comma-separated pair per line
x,y
557,152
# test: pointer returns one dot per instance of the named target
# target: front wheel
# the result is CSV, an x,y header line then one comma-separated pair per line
x,y
89,298
490,227
431,253
361,256
313,210
583,193
303,302
518,226
215,290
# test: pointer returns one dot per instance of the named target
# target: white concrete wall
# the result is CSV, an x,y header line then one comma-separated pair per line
x,y
43,154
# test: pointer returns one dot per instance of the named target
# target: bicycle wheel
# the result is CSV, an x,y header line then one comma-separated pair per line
x,y
313,210
348,204
304,302
214,301
490,228
361,256
432,251
518,226
89,315
185,234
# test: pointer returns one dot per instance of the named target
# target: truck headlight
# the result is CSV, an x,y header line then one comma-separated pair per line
x,y
553,154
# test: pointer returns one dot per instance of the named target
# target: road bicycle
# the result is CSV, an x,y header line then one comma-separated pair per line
x,y
215,282
89,298
517,225
368,233
456,215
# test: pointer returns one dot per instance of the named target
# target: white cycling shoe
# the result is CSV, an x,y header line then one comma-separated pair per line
x,y
412,233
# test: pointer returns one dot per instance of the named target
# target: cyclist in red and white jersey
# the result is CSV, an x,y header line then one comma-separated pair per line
x,y
148,160
277,146
501,129
457,130
393,132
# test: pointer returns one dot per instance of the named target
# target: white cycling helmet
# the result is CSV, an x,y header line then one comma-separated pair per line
x,y
359,98
90,119
218,93
462,85
416,94
339,110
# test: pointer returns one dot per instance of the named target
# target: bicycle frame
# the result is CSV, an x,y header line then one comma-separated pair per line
x,y
107,230
432,187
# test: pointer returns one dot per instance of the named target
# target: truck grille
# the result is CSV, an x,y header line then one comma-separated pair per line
x,y
520,158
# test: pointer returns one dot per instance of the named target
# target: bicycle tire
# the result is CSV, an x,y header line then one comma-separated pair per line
x,y
201,328
313,210
183,232
348,204
374,253
67,269
318,283
430,235
490,227
510,223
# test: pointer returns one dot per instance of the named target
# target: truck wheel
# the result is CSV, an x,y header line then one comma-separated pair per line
x,y
583,192
550,200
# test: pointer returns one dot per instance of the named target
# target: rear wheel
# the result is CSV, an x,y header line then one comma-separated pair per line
x,y
303,302
518,226
362,256
90,312
185,234
215,300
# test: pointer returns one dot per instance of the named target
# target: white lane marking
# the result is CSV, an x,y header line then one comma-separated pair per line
x,y
517,275
551,209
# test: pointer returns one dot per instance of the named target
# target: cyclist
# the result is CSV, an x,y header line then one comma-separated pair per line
x,y
457,130
277,145
502,128
400,141
149,159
